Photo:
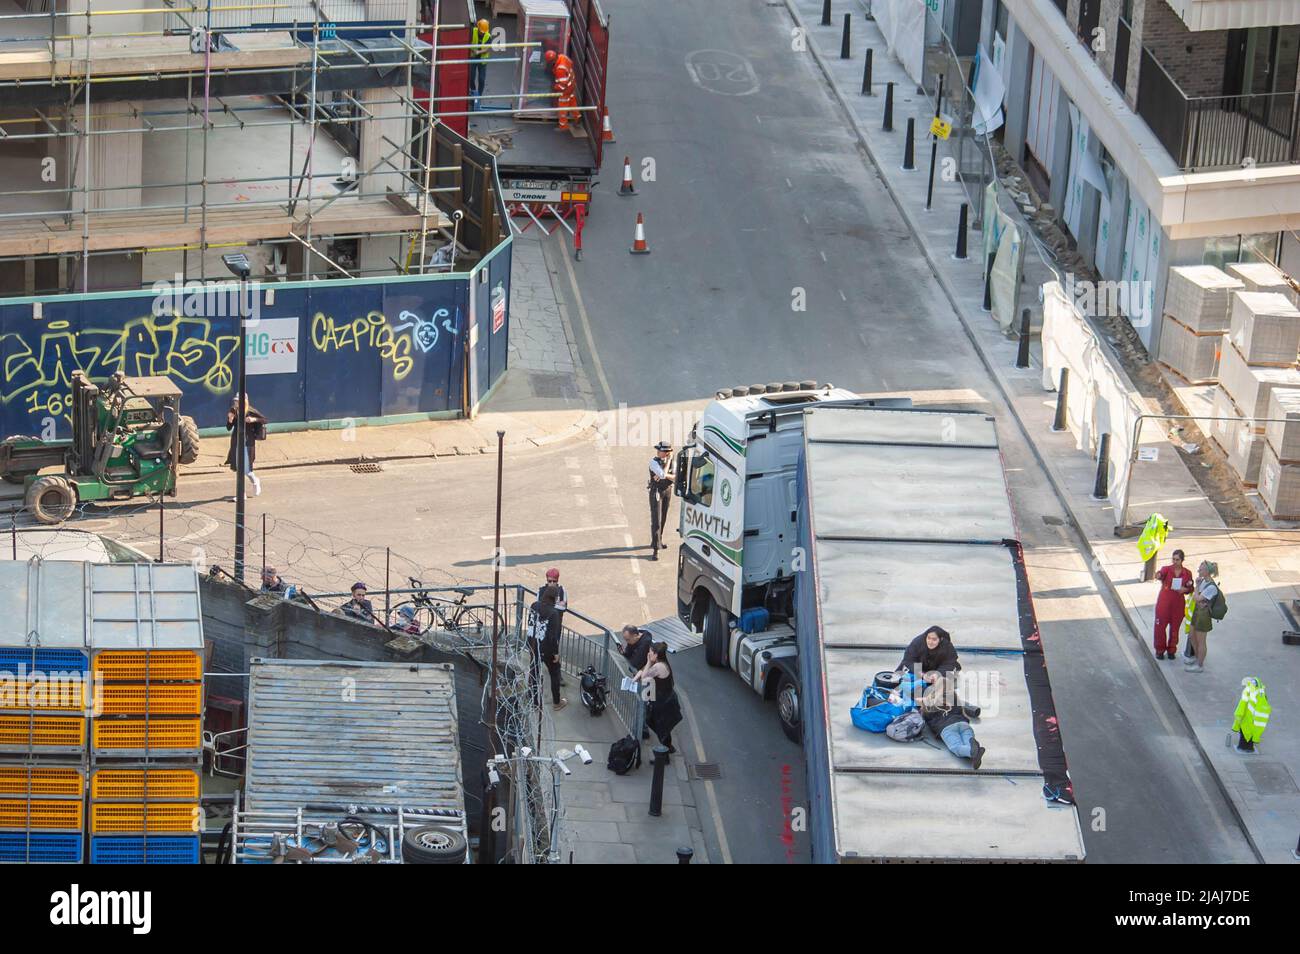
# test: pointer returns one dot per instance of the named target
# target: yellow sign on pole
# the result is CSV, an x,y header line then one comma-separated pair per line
x,y
940,127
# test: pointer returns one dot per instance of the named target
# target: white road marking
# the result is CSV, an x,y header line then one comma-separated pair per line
x,y
788,183
842,297
548,533
640,589
823,255
805,218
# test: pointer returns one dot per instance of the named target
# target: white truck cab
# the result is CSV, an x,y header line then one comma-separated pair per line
x,y
737,478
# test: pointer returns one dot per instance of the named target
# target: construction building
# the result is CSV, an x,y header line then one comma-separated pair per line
x,y
141,141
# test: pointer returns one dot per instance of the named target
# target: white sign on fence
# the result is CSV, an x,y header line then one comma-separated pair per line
x,y
273,346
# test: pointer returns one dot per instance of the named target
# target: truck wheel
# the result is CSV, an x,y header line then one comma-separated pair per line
x,y
787,708
51,499
715,635
433,845
189,440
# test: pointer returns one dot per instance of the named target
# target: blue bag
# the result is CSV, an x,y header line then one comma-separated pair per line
x,y
875,711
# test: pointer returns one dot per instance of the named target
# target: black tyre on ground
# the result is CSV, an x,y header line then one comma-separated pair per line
x,y
787,708
51,499
433,845
189,440
715,634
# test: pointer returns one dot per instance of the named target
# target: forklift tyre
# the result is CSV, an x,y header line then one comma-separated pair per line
x,y
51,499
715,635
189,440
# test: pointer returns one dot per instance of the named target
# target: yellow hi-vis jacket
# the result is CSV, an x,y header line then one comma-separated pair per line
x,y
1251,717
481,43
1153,536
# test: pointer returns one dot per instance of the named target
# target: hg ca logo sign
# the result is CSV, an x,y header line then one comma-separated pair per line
x,y
726,493
273,346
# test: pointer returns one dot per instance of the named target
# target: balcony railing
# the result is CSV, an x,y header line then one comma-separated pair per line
x,y
1213,132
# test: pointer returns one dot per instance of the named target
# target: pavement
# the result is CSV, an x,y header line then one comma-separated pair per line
x,y
1259,569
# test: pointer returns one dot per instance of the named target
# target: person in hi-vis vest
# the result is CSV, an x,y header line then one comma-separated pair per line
x,y
480,42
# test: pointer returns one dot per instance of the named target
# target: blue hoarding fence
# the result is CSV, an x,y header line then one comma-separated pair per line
x,y
317,351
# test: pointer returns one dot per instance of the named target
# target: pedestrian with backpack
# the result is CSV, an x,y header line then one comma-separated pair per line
x,y
663,710
544,642
1209,604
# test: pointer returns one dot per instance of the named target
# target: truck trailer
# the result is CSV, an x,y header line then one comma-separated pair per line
x,y
821,533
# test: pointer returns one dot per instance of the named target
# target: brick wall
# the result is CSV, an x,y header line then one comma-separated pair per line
x,y
1194,60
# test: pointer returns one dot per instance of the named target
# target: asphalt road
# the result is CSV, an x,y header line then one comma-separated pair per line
x,y
759,194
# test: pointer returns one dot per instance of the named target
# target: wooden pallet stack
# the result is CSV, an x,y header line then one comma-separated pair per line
x,y
1196,317
1259,359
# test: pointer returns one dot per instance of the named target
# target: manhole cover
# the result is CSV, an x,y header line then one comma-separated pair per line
x,y
366,467
1271,778
702,771
551,385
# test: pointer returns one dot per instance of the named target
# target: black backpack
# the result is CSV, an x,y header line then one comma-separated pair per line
x,y
624,756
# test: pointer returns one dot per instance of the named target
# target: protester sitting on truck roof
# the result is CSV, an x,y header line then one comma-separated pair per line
x,y
947,718
930,653
359,607
271,582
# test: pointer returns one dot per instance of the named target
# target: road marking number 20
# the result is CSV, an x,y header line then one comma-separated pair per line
x,y
720,71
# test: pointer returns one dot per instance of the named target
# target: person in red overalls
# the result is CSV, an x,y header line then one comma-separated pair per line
x,y
566,85
1175,583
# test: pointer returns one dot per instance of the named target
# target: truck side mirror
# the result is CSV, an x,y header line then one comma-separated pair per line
x,y
679,478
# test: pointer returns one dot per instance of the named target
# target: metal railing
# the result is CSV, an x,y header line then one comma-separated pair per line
x,y
1208,132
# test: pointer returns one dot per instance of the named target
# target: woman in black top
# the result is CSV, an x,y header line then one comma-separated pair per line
x,y
663,711
254,431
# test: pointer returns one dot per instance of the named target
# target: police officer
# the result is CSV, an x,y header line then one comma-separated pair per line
x,y
660,486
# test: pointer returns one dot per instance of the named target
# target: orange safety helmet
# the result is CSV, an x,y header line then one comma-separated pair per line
x,y
482,26
550,56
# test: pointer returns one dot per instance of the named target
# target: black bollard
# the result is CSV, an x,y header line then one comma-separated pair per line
x,y
1062,391
1022,352
657,783
961,232
909,157
866,74
684,855
889,108
845,52
826,12
988,282
1101,487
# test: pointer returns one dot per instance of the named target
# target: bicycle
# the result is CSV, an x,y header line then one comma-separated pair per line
x,y
470,621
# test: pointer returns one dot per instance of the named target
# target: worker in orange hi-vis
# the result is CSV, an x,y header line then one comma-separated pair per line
x,y
566,84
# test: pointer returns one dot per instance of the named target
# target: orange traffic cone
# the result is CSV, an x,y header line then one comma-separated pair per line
x,y
607,132
639,246
627,188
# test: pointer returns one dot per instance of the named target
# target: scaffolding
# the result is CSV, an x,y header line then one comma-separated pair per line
x,y
151,139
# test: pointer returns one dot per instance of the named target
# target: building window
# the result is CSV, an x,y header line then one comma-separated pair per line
x,y
1001,20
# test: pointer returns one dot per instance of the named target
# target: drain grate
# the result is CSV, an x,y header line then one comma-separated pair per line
x,y
705,771
366,467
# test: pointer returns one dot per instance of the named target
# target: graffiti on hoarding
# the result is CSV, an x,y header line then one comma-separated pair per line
x,y
38,368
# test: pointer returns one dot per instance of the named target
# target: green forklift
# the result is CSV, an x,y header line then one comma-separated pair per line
x,y
127,439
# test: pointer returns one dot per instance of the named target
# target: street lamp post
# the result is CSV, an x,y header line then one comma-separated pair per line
x,y
238,265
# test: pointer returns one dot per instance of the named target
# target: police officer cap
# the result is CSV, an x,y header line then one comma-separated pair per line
x,y
663,446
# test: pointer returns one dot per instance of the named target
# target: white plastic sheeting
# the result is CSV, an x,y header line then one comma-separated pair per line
x,y
1098,397
903,24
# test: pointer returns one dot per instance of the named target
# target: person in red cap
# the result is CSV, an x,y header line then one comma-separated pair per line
x,y
566,84
553,592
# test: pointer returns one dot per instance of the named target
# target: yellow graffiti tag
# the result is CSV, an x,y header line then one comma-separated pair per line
x,y
372,331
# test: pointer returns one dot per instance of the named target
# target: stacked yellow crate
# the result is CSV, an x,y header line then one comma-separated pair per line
x,y
42,753
146,751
